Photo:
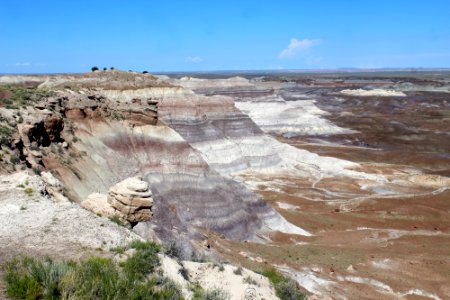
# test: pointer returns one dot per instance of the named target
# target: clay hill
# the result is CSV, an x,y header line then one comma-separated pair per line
x,y
338,182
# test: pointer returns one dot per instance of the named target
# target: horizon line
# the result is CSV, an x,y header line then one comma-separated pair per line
x,y
325,70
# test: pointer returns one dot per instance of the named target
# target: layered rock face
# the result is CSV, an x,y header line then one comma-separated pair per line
x,y
132,198
184,188
232,144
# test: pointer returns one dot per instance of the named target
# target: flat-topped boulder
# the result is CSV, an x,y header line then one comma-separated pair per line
x,y
130,199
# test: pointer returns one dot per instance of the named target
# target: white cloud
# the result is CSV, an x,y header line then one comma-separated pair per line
x,y
27,64
296,47
194,59
23,64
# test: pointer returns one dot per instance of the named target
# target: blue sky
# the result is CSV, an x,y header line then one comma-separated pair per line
x,y
71,36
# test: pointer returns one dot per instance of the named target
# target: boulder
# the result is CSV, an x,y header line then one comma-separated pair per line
x,y
53,187
98,204
132,198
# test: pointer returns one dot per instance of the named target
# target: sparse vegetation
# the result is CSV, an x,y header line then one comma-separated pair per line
x,y
29,191
214,294
117,116
94,68
219,266
184,272
174,250
22,96
238,271
5,134
198,257
13,159
116,219
145,72
94,278
118,249
285,288
249,280
288,291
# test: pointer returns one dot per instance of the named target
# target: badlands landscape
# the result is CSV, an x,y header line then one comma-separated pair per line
x,y
340,182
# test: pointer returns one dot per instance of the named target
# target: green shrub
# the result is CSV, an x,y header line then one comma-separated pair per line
x,y
288,291
143,261
118,249
94,278
273,275
29,278
94,68
145,246
6,101
285,288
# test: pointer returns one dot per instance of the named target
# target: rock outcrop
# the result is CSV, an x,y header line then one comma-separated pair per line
x,y
40,129
53,187
131,200
98,203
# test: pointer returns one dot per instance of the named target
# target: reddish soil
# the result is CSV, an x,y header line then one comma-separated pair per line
x,y
387,243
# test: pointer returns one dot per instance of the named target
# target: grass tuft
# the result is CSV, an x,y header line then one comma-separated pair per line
x,y
143,261
94,278
116,219
286,288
